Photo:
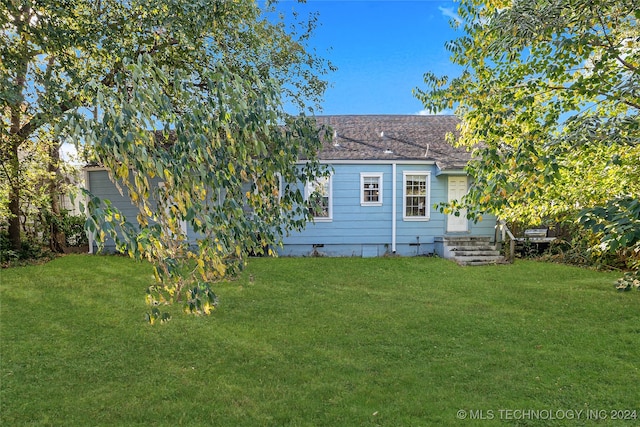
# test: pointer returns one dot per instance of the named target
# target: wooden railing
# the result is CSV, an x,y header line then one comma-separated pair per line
x,y
502,232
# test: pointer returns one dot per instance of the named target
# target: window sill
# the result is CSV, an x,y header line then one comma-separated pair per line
x,y
323,219
416,218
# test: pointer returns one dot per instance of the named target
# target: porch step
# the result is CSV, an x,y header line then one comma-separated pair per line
x,y
479,260
480,252
472,250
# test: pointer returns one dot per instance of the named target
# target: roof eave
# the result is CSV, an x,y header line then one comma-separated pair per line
x,y
451,169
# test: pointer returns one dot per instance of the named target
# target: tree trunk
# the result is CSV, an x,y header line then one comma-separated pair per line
x,y
14,183
14,143
57,238
14,219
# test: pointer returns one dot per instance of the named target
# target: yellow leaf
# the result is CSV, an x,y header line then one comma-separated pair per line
x,y
142,220
181,207
221,269
207,308
123,171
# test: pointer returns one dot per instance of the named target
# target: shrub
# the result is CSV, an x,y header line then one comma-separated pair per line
x,y
73,228
577,245
629,281
71,225
31,250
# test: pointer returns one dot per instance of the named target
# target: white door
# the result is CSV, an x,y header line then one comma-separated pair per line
x,y
457,190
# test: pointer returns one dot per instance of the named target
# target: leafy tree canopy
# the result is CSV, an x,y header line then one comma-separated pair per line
x,y
182,102
549,94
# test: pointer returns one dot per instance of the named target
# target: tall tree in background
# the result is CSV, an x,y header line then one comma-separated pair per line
x,y
549,96
182,101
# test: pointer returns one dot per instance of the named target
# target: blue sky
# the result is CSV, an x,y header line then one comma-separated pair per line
x,y
382,48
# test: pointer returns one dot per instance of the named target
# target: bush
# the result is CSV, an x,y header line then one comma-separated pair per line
x,y
73,228
31,250
7,254
629,281
577,245
71,225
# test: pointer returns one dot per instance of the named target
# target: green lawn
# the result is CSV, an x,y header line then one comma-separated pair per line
x,y
321,342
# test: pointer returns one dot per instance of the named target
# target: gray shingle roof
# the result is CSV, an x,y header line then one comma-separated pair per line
x,y
393,137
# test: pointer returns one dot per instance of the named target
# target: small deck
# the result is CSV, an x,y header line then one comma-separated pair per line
x,y
535,240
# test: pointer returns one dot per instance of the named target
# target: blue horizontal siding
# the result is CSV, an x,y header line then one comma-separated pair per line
x,y
354,230
100,185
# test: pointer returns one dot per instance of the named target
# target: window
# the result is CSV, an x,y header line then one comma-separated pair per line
x,y
416,195
319,193
371,189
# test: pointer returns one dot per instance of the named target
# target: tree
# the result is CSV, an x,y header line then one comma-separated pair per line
x,y
548,94
40,81
183,103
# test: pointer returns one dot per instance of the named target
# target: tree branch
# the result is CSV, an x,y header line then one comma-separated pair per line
x,y
611,47
38,119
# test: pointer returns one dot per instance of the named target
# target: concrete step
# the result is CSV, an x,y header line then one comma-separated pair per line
x,y
467,242
479,260
470,250
489,251
479,263
480,246
463,239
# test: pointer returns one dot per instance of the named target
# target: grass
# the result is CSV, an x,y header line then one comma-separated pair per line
x,y
320,342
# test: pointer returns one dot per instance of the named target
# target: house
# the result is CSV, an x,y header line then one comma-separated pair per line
x,y
387,173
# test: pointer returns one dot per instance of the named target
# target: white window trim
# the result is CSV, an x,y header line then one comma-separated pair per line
x,y
378,175
307,192
427,210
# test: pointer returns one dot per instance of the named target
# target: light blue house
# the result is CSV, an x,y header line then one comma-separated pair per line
x,y
387,173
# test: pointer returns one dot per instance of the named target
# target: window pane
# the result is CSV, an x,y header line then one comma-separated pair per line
x,y
416,195
371,189
319,198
